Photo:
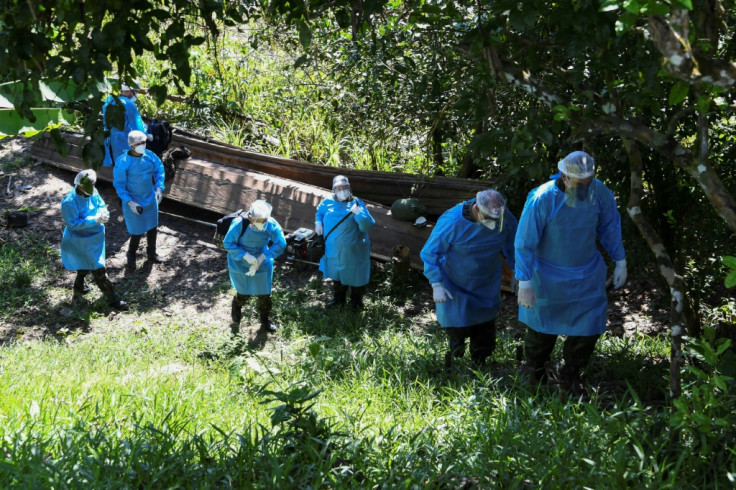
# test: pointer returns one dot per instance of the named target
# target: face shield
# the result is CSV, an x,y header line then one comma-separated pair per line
x,y
341,189
259,213
491,207
579,170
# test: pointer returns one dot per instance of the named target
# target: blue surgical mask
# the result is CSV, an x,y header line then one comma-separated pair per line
x,y
141,149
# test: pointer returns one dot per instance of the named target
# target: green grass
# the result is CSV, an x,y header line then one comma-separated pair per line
x,y
337,399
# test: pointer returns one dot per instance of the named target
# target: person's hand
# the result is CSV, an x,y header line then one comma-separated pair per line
x,y
159,195
318,229
101,217
250,258
619,274
149,137
526,296
260,259
252,271
355,209
440,294
514,285
134,206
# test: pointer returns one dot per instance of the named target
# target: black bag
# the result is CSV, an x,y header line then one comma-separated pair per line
x,y
305,244
223,226
170,158
162,134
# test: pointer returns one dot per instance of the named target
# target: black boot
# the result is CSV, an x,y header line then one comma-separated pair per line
x,y
135,240
236,312
151,247
340,293
356,297
79,286
264,310
108,291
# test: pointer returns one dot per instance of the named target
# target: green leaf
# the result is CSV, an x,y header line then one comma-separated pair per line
x,y
729,261
678,93
305,34
688,4
730,279
703,103
632,6
46,118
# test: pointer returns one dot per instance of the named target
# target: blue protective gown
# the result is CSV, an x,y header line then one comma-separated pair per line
x,y
83,242
464,257
556,249
347,255
255,243
117,142
135,179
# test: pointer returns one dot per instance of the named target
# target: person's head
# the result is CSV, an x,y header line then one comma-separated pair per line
x,y
490,205
341,188
137,141
577,171
85,182
259,213
127,91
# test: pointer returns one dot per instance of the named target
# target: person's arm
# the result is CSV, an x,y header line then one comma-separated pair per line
x,y
362,216
231,242
319,226
159,173
528,235
510,225
278,242
120,179
609,224
435,249
70,215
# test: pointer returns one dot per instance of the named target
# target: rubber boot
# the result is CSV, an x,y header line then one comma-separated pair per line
x,y
340,293
356,298
151,247
79,286
135,240
108,291
264,310
571,380
236,312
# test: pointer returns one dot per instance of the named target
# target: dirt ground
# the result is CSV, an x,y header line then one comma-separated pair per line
x,y
195,278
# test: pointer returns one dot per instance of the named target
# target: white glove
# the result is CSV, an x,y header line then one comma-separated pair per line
x,y
133,207
159,195
356,208
250,259
252,271
260,259
318,229
526,296
102,216
440,294
514,286
619,274
149,137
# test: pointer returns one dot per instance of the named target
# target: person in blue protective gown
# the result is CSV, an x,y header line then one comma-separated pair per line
x,y
83,241
250,256
345,222
128,119
561,273
462,262
138,178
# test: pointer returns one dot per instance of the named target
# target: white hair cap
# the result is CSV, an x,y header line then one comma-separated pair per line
x,y
577,164
259,210
89,173
340,180
125,88
136,137
491,203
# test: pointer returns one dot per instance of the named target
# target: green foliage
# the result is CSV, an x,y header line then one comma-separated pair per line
x,y
730,262
22,264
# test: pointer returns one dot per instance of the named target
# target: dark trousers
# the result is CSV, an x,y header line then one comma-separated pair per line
x,y
482,340
576,351
100,277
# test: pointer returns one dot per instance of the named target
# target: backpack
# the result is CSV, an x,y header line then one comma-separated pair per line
x,y
223,226
162,134
408,209
170,157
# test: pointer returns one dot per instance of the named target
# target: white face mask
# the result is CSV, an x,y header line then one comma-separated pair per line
x,y
343,195
259,226
489,223
141,149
